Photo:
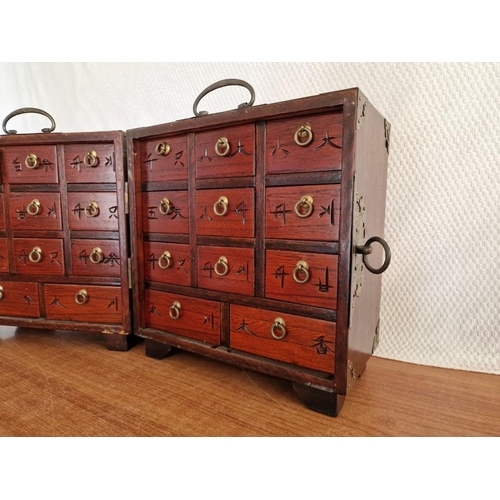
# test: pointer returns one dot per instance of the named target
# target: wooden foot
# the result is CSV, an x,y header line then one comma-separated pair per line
x,y
157,350
117,342
319,399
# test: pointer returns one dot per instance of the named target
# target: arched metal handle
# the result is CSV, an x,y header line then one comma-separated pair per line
x,y
21,111
366,249
220,84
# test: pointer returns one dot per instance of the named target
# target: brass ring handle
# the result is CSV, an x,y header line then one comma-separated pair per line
x,y
162,149
91,159
31,161
1,292
81,297
222,146
92,209
221,202
97,256
165,206
301,267
175,310
21,111
304,135
35,255
167,257
222,262
34,207
366,249
307,203
280,325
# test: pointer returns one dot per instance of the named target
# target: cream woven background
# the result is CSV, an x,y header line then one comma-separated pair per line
x,y
440,302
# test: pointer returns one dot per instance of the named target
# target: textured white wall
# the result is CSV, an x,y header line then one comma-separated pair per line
x,y
440,302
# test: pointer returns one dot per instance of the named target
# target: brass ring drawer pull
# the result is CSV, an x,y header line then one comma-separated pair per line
x,y
31,161
34,207
222,147
221,263
92,209
301,268
81,297
165,206
304,207
1,292
167,258
304,135
97,256
91,159
221,202
162,149
366,249
280,326
35,255
175,310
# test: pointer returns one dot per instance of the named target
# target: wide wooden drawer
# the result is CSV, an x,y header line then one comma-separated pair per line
x,y
38,256
96,258
92,211
19,299
165,212
302,277
35,211
226,152
30,164
226,269
304,144
87,303
301,341
226,212
90,163
190,317
303,213
4,255
167,263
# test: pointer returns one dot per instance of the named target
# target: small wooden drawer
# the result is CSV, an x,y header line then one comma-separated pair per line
x,y
2,213
35,211
303,213
226,269
30,164
226,152
167,263
4,255
87,303
164,159
165,212
194,318
90,163
96,258
38,256
225,212
92,211
301,341
19,299
304,278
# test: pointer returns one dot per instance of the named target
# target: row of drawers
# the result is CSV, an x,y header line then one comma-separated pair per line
x,y
303,341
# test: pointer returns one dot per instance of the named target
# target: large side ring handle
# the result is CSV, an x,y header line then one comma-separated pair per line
x,y
21,111
220,84
366,249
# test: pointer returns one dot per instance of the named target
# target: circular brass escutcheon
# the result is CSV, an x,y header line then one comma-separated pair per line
x,y
35,255
221,263
81,297
167,258
222,147
301,268
92,209
221,202
31,161
34,208
304,207
165,206
1,292
91,159
175,310
162,149
96,256
280,325
304,135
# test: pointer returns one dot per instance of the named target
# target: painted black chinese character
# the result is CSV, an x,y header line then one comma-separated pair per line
x,y
76,162
241,150
278,147
176,212
78,211
53,258
52,211
205,156
178,157
241,210
324,287
82,256
153,310
23,256
320,345
281,210
244,328
113,302
152,213
208,267
112,211
47,164
152,260
18,166
280,273
112,259
149,162
205,215
56,302
28,300
21,214
328,140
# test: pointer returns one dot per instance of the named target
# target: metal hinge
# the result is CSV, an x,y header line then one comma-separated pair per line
x,y
127,203
387,133
129,269
362,104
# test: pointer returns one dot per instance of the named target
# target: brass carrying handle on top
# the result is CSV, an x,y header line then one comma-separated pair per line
x,y
21,111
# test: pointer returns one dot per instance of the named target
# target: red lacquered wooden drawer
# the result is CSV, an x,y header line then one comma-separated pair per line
x,y
305,342
38,256
226,269
88,303
19,299
305,278
323,152
167,263
303,213
190,317
164,159
35,211
4,255
225,212
90,163
30,164
226,152
96,258
92,211
2,213
165,212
